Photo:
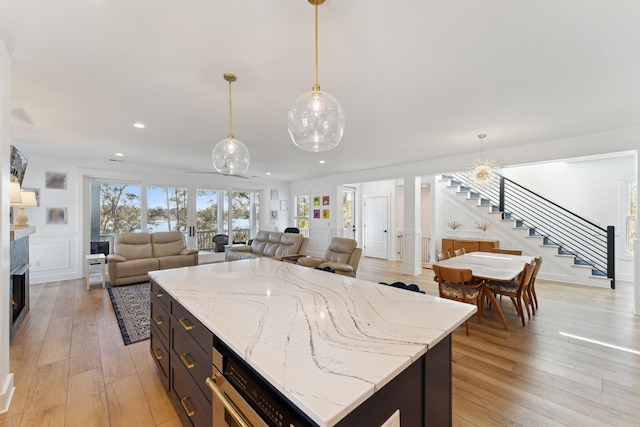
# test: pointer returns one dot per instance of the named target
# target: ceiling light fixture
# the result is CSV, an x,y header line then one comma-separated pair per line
x,y
230,156
119,154
139,125
483,171
316,119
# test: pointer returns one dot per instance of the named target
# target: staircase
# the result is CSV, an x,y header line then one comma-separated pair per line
x,y
576,250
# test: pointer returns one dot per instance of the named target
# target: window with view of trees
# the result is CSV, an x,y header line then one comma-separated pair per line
x,y
301,216
166,209
118,207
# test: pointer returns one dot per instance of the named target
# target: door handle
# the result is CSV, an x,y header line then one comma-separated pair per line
x,y
228,406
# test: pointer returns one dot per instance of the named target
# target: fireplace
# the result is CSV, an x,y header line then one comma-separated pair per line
x,y
19,296
19,286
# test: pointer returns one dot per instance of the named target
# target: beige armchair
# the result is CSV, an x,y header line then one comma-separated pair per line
x,y
342,255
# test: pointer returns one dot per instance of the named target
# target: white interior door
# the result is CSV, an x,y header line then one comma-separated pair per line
x,y
376,227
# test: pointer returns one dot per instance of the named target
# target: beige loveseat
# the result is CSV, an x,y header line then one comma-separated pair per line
x,y
136,254
272,244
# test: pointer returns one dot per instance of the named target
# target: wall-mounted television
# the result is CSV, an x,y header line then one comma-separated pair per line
x,y
18,165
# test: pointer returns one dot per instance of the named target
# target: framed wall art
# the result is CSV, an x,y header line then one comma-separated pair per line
x,y
326,213
325,200
283,205
316,213
55,180
56,215
316,201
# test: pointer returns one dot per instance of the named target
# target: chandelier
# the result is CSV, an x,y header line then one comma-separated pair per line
x,y
316,119
483,171
230,156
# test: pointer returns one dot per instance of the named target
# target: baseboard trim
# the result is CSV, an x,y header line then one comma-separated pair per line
x,y
6,394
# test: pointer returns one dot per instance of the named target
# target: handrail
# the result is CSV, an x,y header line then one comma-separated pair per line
x,y
590,243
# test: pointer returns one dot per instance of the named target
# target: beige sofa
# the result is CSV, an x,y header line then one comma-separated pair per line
x,y
272,244
134,255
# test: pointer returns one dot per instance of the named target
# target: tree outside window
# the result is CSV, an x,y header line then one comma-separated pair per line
x,y
301,216
119,208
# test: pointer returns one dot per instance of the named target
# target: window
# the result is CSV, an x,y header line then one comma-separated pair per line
x,y
301,215
166,209
630,208
115,208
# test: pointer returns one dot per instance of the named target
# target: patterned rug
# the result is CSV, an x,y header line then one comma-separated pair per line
x,y
132,307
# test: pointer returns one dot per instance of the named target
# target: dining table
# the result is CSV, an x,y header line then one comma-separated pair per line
x,y
490,266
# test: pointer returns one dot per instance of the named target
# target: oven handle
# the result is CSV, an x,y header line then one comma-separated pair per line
x,y
227,404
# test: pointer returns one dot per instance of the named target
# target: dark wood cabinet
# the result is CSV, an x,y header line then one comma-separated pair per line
x,y
469,245
182,348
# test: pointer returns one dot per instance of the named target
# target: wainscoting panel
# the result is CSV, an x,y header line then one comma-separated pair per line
x,y
50,255
319,240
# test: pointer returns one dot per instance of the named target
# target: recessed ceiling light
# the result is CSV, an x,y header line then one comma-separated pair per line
x,y
139,125
268,173
322,162
119,154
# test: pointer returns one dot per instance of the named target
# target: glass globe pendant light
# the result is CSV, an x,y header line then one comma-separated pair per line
x,y
316,119
230,156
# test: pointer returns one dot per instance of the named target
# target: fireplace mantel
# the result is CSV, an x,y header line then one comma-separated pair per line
x,y
19,233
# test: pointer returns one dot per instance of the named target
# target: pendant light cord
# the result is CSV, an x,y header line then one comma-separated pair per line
x,y
230,114
316,87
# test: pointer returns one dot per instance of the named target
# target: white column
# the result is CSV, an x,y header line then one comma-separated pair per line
x,y
412,234
636,254
6,377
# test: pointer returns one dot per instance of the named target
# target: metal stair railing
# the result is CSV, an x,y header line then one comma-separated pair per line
x,y
589,243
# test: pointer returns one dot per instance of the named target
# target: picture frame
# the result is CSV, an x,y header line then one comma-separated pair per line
x,y
55,180
17,165
283,205
274,215
325,200
316,201
56,216
275,194
326,213
316,213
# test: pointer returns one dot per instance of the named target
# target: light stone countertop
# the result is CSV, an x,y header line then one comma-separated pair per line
x,y
326,341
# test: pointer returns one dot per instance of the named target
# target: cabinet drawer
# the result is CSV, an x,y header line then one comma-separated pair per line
x,y
161,294
193,359
187,322
197,408
160,354
160,317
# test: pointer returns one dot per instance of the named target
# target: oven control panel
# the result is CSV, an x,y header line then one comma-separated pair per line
x,y
247,386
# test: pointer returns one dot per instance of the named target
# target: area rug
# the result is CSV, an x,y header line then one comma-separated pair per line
x,y
132,308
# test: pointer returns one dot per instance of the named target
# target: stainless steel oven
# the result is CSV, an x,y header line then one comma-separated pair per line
x,y
242,398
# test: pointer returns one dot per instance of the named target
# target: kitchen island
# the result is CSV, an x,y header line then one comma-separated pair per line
x,y
341,350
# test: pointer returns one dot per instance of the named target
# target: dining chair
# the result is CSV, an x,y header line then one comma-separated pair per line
x,y
458,284
441,257
506,251
531,291
516,290
460,251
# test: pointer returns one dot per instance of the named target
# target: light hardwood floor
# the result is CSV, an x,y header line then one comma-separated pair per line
x,y
72,369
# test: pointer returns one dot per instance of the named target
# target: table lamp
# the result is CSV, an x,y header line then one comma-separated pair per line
x,y
28,201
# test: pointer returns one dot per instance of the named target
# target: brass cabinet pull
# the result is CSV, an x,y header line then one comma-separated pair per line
x,y
158,320
184,324
231,409
189,365
157,354
158,294
189,412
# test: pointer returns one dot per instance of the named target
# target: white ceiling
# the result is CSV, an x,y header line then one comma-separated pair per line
x,y
417,79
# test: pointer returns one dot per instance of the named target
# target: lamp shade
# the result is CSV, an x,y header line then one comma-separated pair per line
x,y
14,193
316,122
28,200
